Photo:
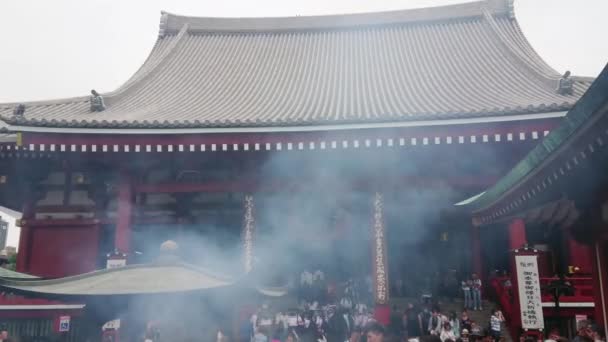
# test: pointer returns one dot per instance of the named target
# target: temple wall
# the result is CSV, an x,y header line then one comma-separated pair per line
x,y
62,251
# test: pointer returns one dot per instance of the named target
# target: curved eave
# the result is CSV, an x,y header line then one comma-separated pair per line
x,y
148,279
579,116
116,128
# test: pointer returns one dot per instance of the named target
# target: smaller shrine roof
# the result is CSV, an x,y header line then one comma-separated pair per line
x,y
153,278
577,121
168,274
6,273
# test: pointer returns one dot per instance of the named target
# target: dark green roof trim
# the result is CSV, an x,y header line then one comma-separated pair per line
x,y
595,97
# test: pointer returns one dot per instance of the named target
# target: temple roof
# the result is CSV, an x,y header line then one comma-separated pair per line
x,y
577,122
458,61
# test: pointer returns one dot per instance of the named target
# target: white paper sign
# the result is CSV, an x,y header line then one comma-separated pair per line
x,y
64,323
111,325
115,263
530,300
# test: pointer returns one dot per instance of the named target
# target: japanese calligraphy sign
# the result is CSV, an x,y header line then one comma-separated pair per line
x,y
528,284
380,266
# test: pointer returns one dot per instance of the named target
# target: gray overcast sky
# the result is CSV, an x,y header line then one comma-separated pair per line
x,y
63,48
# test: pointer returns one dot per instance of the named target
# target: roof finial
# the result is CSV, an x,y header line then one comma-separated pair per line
x,y
511,9
97,104
19,110
164,22
564,85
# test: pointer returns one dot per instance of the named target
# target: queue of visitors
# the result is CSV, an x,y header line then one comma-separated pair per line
x,y
327,312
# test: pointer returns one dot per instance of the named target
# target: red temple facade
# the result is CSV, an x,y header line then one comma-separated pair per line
x,y
559,189
405,112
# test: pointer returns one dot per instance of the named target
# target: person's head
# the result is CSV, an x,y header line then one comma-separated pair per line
x,y
582,325
453,315
94,92
375,332
435,310
567,74
410,306
464,333
355,336
447,326
495,312
474,276
290,338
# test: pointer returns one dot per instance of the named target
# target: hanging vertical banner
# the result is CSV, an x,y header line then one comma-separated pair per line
x,y
380,267
248,229
528,284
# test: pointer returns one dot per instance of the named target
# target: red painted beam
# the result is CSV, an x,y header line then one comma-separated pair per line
x,y
58,222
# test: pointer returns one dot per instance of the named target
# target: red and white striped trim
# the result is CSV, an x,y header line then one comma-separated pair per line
x,y
570,304
11,150
296,145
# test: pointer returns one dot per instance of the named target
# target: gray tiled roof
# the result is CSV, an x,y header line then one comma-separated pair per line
x,y
467,60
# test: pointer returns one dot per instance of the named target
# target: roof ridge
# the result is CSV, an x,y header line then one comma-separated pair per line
x,y
137,78
171,23
39,103
111,96
549,80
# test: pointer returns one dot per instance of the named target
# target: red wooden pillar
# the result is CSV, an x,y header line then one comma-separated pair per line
x,y
382,309
476,251
25,235
600,285
579,256
517,234
517,239
122,238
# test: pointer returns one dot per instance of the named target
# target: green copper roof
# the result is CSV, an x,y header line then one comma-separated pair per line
x,y
586,107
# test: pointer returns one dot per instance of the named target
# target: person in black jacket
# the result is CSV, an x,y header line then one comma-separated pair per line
x,y
340,326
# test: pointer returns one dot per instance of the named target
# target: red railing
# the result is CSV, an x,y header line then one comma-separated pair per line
x,y
583,290
582,286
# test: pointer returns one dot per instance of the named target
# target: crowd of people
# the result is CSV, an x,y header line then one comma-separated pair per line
x,y
336,323
327,311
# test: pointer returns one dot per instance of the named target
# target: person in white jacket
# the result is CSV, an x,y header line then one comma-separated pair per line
x,y
436,322
447,333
